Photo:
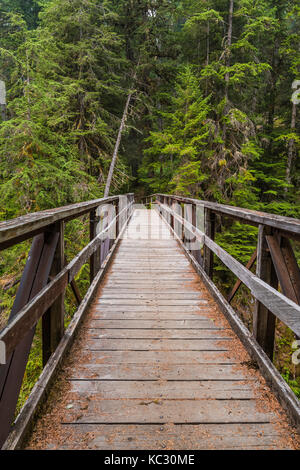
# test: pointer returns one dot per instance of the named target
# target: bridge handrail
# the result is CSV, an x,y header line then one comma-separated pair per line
x,y
249,216
276,263
44,281
26,226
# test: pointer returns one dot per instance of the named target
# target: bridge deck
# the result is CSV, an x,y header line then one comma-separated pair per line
x,y
156,365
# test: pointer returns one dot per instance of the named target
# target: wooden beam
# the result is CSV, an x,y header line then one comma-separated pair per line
x,y
35,276
209,228
239,282
53,319
39,392
285,309
256,218
278,385
95,256
27,317
24,227
263,319
283,274
85,254
292,265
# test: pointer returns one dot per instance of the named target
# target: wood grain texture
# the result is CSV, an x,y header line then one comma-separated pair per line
x,y
155,365
281,306
24,227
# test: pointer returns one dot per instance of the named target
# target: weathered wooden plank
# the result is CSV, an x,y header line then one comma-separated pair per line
x,y
18,229
249,216
34,278
238,283
53,320
136,344
283,275
85,254
26,319
158,333
17,328
149,296
135,313
38,394
151,270
285,309
208,255
244,436
134,278
263,319
165,371
150,301
220,390
182,324
279,387
292,265
167,411
144,307
151,381
142,289
143,315
161,357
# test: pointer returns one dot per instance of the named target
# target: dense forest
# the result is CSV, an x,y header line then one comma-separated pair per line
x,y
207,91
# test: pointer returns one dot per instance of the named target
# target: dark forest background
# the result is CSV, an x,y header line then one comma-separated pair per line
x,y
211,116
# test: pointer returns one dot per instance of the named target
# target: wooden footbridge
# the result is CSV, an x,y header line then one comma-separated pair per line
x,y
155,357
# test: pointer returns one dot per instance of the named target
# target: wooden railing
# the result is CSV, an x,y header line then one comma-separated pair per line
x,y
44,281
275,260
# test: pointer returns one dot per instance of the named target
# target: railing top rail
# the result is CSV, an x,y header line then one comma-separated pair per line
x,y
21,228
251,217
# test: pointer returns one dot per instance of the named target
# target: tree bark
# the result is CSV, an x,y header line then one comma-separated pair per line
x,y
291,147
116,149
228,44
227,63
207,54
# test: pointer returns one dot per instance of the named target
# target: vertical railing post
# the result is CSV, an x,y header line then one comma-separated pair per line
x,y
53,319
34,278
95,257
196,252
188,216
117,231
263,320
172,216
166,213
122,203
105,244
177,225
209,228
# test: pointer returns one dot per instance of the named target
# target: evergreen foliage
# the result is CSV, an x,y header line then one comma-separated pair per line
x,y
211,114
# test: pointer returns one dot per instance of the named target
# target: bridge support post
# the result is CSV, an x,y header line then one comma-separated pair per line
x,y
209,228
117,208
263,320
53,319
95,258
34,278
170,205
197,252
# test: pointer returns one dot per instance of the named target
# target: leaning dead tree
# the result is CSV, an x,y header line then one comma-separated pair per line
x,y
118,141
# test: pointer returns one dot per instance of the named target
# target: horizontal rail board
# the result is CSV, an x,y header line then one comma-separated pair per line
x,y
24,227
285,309
286,224
28,316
